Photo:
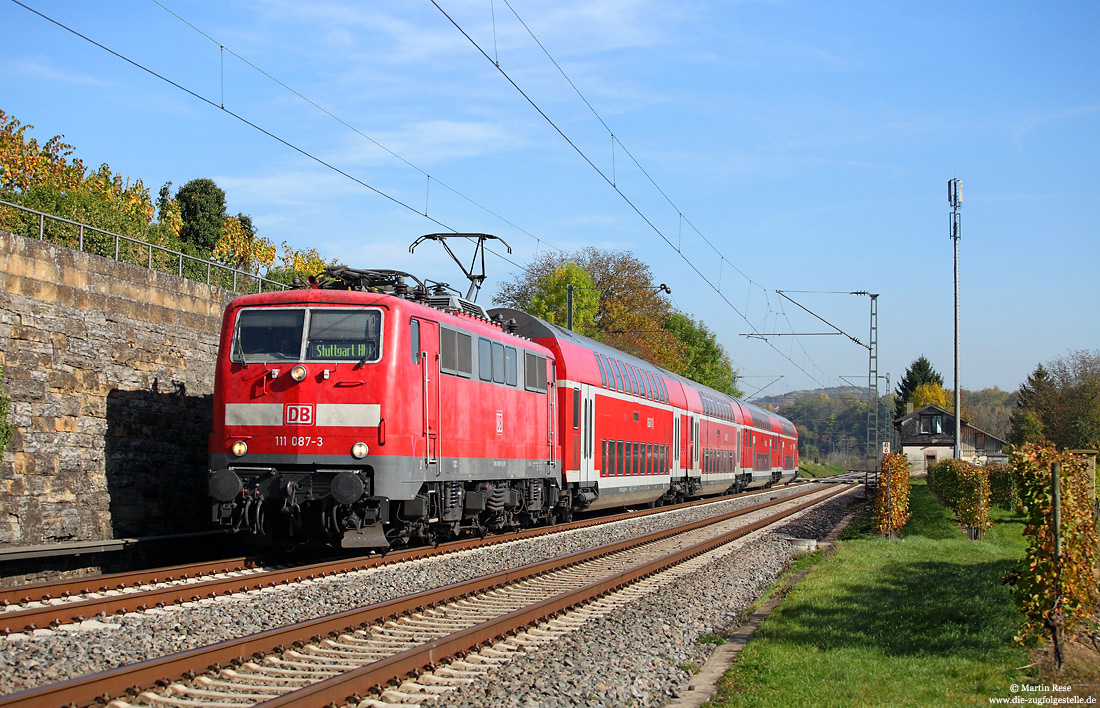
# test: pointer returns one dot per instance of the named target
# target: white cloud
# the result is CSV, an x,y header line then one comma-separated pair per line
x,y
40,69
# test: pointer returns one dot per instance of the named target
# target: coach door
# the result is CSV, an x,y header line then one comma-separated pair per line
x,y
429,374
588,446
675,442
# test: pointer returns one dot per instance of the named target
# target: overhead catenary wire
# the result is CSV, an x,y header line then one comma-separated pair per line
x,y
259,128
220,104
610,180
357,131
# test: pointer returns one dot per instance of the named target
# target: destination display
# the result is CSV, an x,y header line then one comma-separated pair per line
x,y
320,349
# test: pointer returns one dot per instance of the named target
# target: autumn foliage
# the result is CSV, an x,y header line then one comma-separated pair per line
x,y
891,507
47,177
964,488
1055,594
1003,489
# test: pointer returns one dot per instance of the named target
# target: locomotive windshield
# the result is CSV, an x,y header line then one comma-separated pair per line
x,y
269,334
344,334
332,334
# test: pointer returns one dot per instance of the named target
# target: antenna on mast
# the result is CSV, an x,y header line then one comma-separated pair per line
x,y
475,279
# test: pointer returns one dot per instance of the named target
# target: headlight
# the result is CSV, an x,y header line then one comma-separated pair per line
x,y
239,448
359,450
298,373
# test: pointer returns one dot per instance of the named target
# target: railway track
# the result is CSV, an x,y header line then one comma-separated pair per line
x,y
358,652
50,605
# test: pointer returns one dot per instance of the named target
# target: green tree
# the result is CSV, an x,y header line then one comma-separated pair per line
x,y
202,209
919,372
1026,428
631,312
551,302
704,359
1060,402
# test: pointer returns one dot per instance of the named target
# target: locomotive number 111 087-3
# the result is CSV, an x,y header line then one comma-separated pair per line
x,y
298,441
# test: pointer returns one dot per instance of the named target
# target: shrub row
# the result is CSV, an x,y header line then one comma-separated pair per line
x,y
965,489
892,498
1003,490
1055,594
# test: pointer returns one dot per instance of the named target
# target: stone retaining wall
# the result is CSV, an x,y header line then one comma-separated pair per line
x,y
110,371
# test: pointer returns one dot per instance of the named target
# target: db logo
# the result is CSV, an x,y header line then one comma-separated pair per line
x,y
500,422
298,414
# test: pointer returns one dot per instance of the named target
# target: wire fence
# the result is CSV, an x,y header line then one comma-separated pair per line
x,y
89,239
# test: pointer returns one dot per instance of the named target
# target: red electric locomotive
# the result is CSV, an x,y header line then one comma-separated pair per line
x,y
366,413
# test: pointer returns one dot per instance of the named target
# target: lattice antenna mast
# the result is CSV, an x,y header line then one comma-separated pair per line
x,y
476,279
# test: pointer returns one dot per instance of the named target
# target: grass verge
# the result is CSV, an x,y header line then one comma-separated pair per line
x,y
923,620
809,470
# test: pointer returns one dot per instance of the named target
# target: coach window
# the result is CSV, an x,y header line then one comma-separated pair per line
x,y
603,458
645,384
414,340
618,458
510,375
603,375
652,386
634,380
576,409
485,359
625,375
498,362
618,375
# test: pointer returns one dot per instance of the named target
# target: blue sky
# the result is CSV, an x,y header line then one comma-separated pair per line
x,y
809,143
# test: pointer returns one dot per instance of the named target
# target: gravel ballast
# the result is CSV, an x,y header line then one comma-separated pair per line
x,y
633,657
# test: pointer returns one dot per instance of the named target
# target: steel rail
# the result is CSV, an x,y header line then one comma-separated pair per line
x,y
54,615
102,686
349,687
36,592
44,591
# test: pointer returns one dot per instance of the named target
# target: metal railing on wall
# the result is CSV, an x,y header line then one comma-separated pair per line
x,y
134,251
